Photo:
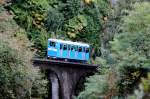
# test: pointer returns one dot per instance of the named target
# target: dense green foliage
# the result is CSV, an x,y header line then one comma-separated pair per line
x,y
31,15
143,89
78,20
131,48
128,54
97,85
17,78
119,36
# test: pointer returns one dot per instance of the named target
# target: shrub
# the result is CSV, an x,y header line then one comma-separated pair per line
x,y
18,78
129,54
131,49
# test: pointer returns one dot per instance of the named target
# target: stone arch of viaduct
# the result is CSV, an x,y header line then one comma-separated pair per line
x,y
64,76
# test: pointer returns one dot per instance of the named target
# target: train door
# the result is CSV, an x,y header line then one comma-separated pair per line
x,y
76,53
59,50
68,51
80,53
64,52
87,50
52,50
72,52
57,47
83,53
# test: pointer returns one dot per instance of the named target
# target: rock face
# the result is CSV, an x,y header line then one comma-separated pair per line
x,y
113,2
3,2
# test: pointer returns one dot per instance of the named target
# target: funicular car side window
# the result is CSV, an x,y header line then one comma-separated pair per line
x,y
76,48
72,48
69,47
65,47
61,46
80,49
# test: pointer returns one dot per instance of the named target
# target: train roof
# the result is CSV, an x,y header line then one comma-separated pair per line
x,y
69,42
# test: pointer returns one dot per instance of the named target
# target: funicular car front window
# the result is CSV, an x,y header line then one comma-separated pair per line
x,y
87,50
83,49
53,44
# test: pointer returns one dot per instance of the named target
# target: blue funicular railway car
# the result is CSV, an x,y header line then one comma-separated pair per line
x,y
68,50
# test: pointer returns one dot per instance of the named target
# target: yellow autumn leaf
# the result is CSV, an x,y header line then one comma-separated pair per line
x,y
36,15
71,35
87,1
39,19
105,18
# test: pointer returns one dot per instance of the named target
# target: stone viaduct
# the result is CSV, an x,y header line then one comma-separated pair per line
x,y
64,76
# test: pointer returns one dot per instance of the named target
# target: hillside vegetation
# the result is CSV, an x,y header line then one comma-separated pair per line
x,y
18,78
77,20
118,32
122,74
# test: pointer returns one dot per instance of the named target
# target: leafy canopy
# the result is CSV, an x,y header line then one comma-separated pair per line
x,y
18,79
130,51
